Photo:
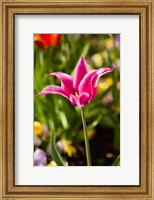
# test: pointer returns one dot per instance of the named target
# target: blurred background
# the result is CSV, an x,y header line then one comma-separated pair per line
x,y
61,52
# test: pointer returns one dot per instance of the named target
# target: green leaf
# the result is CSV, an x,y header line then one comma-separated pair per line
x,y
116,95
54,152
80,135
85,50
108,121
63,119
117,161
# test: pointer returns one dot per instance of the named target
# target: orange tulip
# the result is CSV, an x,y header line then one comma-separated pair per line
x,y
44,41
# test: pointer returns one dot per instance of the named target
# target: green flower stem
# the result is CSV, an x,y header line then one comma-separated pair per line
x,y
86,138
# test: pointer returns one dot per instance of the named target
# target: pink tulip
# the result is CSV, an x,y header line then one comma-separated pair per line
x,y
81,90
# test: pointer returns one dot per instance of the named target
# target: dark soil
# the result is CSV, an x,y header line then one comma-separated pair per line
x,y
102,149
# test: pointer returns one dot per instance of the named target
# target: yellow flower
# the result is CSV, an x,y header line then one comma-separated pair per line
x,y
90,133
117,109
37,128
103,85
68,147
98,59
52,164
109,43
109,81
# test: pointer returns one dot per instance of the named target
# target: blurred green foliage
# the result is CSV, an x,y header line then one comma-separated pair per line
x,y
102,114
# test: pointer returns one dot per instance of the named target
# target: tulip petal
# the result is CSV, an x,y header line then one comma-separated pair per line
x,y
80,71
104,70
89,82
83,99
53,89
73,100
101,72
66,82
38,41
86,83
55,40
93,87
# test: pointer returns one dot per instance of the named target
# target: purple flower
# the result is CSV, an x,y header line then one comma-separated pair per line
x,y
40,158
81,90
113,64
117,38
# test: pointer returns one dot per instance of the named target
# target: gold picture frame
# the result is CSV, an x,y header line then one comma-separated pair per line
x,y
145,10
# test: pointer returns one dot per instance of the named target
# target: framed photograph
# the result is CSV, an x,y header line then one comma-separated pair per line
x,y
76,99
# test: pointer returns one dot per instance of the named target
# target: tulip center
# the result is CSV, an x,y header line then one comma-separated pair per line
x,y
76,94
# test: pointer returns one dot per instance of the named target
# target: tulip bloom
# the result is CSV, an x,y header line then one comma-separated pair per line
x,y
44,41
81,90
